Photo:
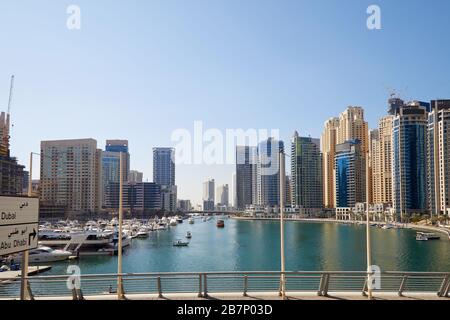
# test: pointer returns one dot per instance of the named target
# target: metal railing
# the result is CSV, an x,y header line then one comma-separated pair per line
x,y
237,283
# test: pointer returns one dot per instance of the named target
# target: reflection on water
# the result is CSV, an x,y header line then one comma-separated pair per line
x,y
255,245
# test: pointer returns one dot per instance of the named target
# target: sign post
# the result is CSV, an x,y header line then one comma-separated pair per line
x,y
19,230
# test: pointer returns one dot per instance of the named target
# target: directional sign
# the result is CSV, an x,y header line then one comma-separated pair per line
x,y
17,210
18,238
18,224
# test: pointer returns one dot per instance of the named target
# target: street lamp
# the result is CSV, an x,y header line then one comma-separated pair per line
x,y
282,188
120,291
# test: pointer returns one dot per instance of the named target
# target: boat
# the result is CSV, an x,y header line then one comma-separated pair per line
x,y
188,235
180,243
179,220
204,219
191,220
425,236
47,254
387,226
173,222
142,233
220,224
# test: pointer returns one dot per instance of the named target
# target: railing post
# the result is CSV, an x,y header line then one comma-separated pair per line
x,y
200,285
74,294
402,286
29,292
205,289
322,281
444,286
245,285
158,283
365,288
325,285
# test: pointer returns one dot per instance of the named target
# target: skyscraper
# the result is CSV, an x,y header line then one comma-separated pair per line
x,y
117,146
71,174
223,195
328,143
409,159
350,174
268,172
245,169
353,126
208,194
381,161
306,172
164,166
438,157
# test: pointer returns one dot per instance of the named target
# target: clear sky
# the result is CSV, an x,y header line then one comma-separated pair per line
x,y
139,70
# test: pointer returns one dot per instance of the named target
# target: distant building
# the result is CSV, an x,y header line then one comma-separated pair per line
x,y
137,197
71,174
117,146
11,173
208,205
208,190
306,172
169,198
223,195
350,174
135,176
409,159
164,166
328,146
184,205
268,172
245,176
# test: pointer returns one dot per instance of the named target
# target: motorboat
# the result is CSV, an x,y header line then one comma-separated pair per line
x,y
142,233
173,222
180,243
204,219
425,236
188,235
46,254
387,226
191,220
179,220
220,224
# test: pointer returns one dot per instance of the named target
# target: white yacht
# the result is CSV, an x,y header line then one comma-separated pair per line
x,y
191,220
188,235
173,222
142,233
425,236
47,254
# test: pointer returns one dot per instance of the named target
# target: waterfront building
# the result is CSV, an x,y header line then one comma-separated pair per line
x,y
381,161
328,148
208,205
352,126
245,176
409,159
350,174
306,172
223,195
438,157
137,197
169,198
268,172
288,191
135,176
164,166
71,174
184,205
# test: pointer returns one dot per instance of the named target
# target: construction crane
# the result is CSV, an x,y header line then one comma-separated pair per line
x,y
10,94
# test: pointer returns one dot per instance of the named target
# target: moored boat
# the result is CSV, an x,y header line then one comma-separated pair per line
x,y
220,224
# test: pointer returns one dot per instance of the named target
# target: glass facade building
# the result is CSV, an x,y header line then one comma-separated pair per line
x,y
409,160
350,168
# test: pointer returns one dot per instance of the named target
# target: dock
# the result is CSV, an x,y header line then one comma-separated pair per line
x,y
32,270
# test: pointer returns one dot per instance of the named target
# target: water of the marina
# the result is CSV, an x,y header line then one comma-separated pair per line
x,y
254,245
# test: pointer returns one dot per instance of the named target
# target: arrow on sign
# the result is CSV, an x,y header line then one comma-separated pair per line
x,y
33,234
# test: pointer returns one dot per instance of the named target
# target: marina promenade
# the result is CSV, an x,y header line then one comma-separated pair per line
x,y
236,285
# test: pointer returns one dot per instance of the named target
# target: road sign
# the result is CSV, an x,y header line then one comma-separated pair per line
x,y
18,224
18,238
18,210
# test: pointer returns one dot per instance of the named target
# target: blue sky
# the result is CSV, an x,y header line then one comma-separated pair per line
x,y
138,70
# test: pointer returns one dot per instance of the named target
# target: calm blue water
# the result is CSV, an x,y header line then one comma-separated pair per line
x,y
254,245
